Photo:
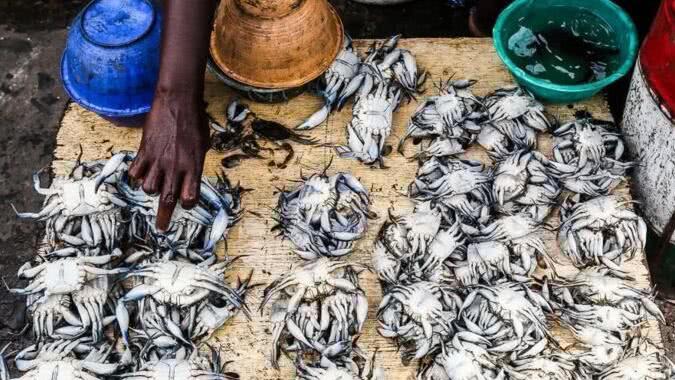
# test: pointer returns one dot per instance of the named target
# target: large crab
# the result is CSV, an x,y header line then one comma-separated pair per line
x,y
202,226
319,306
324,215
462,186
462,360
419,316
588,141
66,274
84,208
371,124
453,114
174,286
510,315
517,115
62,360
525,180
600,230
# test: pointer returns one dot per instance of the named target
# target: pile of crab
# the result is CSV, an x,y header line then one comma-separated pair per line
x,y
318,308
470,287
378,83
105,272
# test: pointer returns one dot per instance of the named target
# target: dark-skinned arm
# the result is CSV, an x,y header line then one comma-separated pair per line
x,y
175,136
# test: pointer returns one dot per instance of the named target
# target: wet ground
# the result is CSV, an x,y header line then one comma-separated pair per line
x,y
32,101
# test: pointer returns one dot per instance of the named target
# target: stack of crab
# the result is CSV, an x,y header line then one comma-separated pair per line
x,y
101,237
466,274
319,309
378,83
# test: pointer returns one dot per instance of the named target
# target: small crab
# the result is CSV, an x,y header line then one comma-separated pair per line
x,y
453,114
84,208
462,186
641,361
600,230
517,115
324,215
66,274
371,125
462,360
588,140
421,317
600,349
342,79
62,360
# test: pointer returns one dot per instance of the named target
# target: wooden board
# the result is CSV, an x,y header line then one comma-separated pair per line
x,y
246,343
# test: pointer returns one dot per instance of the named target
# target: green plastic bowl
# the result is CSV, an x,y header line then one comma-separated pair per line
x,y
612,14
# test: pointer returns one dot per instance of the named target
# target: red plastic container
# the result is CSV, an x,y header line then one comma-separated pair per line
x,y
657,56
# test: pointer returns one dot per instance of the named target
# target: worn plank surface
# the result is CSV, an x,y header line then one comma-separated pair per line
x,y
246,343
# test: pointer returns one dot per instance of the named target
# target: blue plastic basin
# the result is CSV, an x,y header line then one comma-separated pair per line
x,y
111,60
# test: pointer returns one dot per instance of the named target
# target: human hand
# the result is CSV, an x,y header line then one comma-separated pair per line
x,y
171,156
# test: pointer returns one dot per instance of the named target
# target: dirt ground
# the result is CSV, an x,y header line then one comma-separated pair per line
x,y
32,101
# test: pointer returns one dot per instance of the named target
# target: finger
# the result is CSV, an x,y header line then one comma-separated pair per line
x,y
164,212
152,182
138,167
190,191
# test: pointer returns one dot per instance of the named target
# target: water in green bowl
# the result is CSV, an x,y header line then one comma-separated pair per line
x,y
566,45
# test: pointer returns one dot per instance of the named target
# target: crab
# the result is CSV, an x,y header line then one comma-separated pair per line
x,y
525,180
603,286
66,274
462,360
519,233
319,305
517,115
588,140
202,226
600,349
371,125
326,369
462,186
342,79
494,142
453,114
176,285
183,365
62,360
551,366
324,215
509,314
84,208
486,261
418,316
48,313
600,230
387,64
641,361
